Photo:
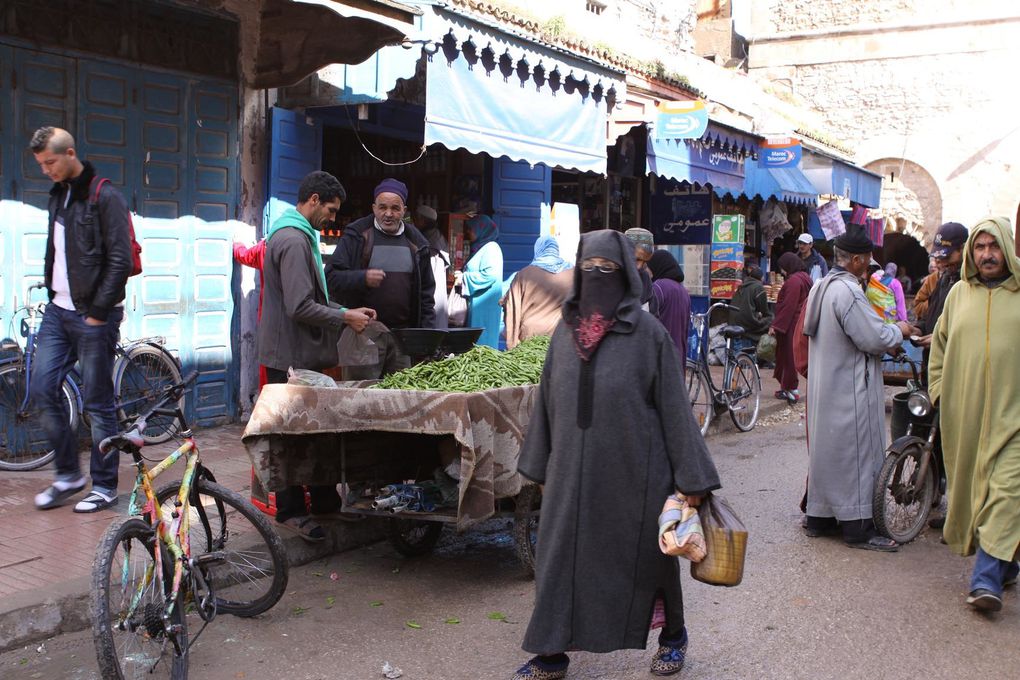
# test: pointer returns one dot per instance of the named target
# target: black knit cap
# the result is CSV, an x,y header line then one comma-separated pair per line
x,y
855,241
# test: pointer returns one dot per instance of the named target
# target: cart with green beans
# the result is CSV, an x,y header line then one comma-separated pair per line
x,y
386,444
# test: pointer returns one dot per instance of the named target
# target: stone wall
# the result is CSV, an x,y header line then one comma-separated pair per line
x,y
934,95
787,16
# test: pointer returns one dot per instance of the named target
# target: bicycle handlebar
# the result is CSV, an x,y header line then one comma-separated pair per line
x,y
725,305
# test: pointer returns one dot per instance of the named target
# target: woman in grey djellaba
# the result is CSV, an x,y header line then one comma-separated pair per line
x,y
610,437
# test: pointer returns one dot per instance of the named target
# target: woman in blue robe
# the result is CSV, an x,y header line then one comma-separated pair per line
x,y
482,281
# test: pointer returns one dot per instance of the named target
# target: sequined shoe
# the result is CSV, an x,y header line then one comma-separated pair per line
x,y
669,660
535,669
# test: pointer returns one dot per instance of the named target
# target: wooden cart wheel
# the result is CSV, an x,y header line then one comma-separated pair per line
x,y
527,505
413,537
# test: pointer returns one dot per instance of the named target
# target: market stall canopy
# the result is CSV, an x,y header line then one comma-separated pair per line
x,y
830,175
491,92
786,184
299,36
717,158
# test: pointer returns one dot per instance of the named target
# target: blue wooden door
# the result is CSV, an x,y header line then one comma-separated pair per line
x,y
169,143
212,188
519,191
295,149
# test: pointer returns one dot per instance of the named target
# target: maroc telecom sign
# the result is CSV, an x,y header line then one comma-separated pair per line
x,y
779,152
681,120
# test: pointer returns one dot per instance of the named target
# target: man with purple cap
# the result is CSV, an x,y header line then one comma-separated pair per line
x,y
948,253
384,263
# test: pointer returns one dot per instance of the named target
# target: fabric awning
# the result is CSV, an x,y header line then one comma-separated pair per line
x,y
830,175
297,37
785,184
490,92
717,158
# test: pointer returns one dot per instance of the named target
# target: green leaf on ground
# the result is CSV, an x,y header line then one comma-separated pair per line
x,y
452,621
413,624
377,603
317,573
330,601
298,611
497,616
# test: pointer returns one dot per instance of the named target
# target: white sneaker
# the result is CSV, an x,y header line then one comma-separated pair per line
x,y
95,501
58,493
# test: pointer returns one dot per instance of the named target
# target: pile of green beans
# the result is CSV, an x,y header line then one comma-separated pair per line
x,y
480,368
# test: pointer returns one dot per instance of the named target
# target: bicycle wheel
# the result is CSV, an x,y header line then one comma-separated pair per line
x,y
701,398
239,553
129,600
23,444
902,502
745,393
144,373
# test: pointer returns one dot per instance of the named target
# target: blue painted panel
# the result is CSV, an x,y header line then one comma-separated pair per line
x,y
295,149
519,190
45,96
169,143
8,156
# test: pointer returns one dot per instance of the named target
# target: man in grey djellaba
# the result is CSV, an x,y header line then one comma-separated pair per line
x,y
610,437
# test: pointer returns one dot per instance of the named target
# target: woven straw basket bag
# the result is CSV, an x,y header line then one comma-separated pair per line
x,y
726,544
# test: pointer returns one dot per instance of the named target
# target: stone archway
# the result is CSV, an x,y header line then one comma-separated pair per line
x,y
920,182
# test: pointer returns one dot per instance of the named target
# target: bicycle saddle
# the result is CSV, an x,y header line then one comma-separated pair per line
x,y
732,331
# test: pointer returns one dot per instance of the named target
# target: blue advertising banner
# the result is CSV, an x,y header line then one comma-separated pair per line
x,y
780,153
681,120
680,214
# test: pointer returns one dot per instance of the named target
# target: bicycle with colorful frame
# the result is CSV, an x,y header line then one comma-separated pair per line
x,y
191,550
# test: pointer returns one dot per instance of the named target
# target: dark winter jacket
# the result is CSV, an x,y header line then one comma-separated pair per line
x,y
937,300
97,244
346,267
753,305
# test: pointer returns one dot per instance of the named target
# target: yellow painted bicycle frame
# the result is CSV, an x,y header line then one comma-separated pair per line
x,y
176,537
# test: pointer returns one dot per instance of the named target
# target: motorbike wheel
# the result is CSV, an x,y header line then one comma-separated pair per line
x,y
902,502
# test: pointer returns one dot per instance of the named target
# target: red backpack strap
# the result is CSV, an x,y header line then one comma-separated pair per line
x,y
97,186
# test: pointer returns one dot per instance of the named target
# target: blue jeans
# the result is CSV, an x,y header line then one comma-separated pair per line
x,y
63,339
990,572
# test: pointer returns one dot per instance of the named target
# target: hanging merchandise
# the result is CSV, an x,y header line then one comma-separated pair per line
x,y
831,220
876,230
772,220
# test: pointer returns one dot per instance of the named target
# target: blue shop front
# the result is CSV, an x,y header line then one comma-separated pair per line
x,y
692,183
455,119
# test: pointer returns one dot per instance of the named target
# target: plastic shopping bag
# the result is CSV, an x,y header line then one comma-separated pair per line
x,y
356,349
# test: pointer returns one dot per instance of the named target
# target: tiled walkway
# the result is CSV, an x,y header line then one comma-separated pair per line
x,y
44,548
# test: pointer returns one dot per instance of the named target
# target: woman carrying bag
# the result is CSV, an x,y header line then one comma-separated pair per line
x,y
611,436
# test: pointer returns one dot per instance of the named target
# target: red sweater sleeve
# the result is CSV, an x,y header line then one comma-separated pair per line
x,y
250,257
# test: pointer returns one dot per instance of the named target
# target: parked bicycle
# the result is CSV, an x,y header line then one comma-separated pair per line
x,y
912,479
192,550
740,390
141,371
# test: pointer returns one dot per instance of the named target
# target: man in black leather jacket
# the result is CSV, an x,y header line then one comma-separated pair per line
x,y
88,261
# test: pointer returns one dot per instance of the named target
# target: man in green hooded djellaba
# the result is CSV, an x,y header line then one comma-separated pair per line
x,y
974,372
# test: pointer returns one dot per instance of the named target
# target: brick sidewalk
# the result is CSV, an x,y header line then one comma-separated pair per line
x,y
40,549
